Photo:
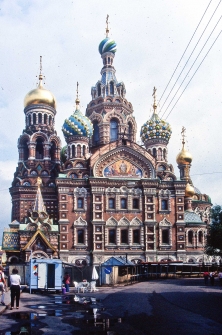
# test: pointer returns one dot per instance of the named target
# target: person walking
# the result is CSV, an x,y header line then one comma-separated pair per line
x,y
15,281
212,275
2,285
66,281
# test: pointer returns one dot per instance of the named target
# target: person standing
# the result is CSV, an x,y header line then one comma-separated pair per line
x,y
212,275
2,285
206,276
66,281
220,277
15,281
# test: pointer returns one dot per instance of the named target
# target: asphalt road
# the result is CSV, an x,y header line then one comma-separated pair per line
x,y
158,307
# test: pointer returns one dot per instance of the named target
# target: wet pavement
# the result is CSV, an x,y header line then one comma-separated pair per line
x,y
171,306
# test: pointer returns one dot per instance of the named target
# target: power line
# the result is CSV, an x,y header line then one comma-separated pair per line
x,y
189,58
192,64
194,73
185,51
200,174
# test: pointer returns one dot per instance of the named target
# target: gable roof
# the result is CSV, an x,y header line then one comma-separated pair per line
x,y
38,232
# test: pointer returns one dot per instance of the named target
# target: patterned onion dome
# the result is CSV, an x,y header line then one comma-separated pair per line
x,y
77,124
155,128
107,45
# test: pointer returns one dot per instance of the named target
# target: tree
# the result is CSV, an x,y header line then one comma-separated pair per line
x,y
214,236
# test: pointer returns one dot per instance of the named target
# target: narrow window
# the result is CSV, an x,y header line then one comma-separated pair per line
x,y
124,236
190,237
111,203
80,234
40,118
165,236
123,203
154,152
135,203
136,236
164,205
112,236
53,151
39,149
111,88
73,151
130,128
113,130
96,136
26,150
99,89
80,203
45,118
200,237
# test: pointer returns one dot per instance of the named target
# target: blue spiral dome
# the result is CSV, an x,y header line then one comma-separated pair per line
x,y
107,45
155,129
77,124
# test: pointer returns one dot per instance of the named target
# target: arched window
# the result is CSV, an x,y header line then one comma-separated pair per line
x,y
108,60
40,117
39,149
80,233
73,151
99,89
200,237
96,137
78,150
190,237
112,236
29,118
130,128
25,150
164,154
53,151
111,89
45,118
80,203
34,118
113,130
50,120
154,152
84,150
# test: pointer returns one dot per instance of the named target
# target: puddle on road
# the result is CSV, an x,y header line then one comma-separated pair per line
x,y
85,312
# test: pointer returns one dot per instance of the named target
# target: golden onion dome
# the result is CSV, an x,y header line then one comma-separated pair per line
x,y
40,96
184,157
189,191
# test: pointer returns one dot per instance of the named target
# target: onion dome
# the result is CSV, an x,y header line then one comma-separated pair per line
x,y
155,128
107,45
40,95
77,123
184,157
189,191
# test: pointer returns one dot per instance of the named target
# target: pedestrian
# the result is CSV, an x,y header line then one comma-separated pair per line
x,y
66,281
220,277
212,275
2,285
15,281
206,276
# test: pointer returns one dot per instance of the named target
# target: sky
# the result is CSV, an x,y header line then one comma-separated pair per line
x,y
151,38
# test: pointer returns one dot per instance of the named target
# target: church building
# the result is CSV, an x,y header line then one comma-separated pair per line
x,y
102,194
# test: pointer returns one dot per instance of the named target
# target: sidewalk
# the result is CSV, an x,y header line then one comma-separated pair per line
x,y
7,301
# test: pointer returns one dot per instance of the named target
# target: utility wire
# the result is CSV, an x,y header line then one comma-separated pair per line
x,y
192,64
200,174
194,73
189,57
184,51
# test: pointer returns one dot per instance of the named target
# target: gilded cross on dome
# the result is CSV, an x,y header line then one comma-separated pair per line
x,y
154,99
183,135
107,25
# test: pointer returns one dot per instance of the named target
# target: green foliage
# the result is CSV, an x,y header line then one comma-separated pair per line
x,y
214,236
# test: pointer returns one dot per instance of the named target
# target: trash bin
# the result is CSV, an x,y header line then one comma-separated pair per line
x,y
63,290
